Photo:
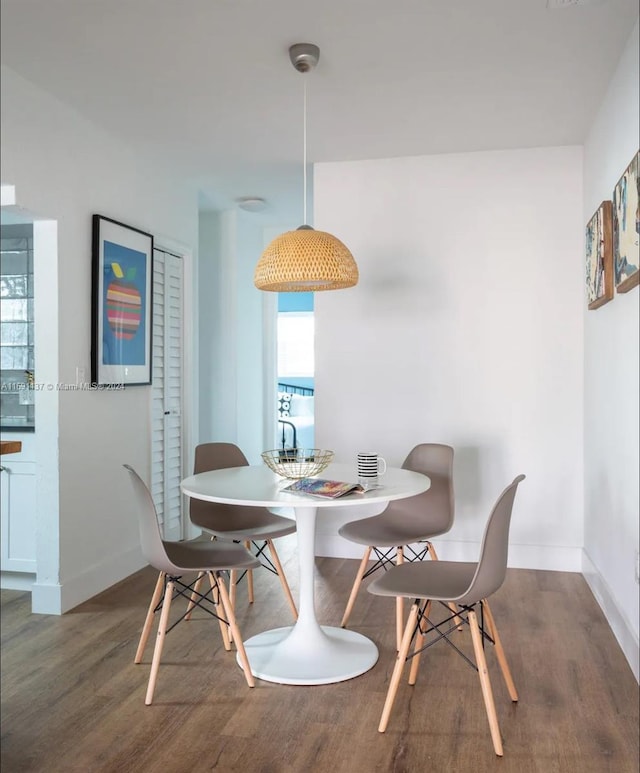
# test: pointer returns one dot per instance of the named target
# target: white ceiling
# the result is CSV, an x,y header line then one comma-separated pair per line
x,y
207,85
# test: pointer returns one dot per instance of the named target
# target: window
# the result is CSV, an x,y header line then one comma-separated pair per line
x,y
295,344
16,326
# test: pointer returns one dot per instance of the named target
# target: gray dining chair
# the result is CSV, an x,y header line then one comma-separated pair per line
x,y
255,527
468,586
175,559
406,522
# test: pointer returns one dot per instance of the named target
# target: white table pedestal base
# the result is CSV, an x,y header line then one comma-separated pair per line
x,y
308,653
328,655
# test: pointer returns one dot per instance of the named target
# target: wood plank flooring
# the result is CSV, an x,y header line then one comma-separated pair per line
x,y
73,700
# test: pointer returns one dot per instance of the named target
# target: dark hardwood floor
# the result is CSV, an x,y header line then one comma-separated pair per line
x,y
73,700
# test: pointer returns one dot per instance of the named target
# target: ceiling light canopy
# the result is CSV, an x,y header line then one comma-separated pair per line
x,y
305,260
251,203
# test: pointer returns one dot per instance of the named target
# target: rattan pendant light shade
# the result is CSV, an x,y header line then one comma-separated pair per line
x,y
305,260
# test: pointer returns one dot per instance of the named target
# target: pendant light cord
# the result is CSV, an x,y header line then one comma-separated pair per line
x,y
304,153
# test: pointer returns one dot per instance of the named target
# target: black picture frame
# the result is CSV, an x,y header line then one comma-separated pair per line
x,y
122,300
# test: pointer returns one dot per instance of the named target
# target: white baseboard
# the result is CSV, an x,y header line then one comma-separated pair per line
x,y
46,598
17,580
622,629
553,558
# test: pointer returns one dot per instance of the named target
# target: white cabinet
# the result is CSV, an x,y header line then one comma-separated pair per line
x,y
18,514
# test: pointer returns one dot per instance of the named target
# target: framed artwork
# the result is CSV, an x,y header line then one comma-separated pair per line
x,y
626,228
599,257
121,304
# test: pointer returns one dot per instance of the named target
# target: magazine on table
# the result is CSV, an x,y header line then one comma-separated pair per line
x,y
329,489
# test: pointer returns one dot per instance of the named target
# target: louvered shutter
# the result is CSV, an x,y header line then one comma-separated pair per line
x,y
166,462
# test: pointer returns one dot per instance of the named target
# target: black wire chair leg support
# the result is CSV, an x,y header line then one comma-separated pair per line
x,y
436,628
383,561
201,600
208,602
417,555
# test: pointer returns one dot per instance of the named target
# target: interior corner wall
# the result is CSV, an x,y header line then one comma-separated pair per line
x,y
211,300
611,377
251,366
465,328
65,168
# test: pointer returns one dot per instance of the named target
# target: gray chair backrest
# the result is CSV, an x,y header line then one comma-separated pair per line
x,y
218,456
215,456
150,537
435,506
492,566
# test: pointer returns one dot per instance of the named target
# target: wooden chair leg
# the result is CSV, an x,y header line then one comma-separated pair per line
x,y
415,660
162,631
283,579
502,660
233,585
355,587
399,666
485,683
157,594
399,603
222,618
247,545
226,602
194,595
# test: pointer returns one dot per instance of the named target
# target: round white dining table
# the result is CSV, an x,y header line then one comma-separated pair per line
x,y
306,653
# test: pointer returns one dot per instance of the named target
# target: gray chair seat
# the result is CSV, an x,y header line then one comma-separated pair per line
x,y
386,530
436,580
195,556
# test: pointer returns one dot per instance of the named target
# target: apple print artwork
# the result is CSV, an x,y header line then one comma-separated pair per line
x,y
124,304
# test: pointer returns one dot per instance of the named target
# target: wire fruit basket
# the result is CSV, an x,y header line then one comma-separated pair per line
x,y
297,463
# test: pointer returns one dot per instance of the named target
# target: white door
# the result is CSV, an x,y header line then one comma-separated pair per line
x,y
167,392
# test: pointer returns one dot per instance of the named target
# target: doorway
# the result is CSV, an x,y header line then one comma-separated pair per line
x,y
295,338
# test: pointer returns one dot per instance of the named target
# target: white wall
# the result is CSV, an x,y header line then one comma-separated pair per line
x,y
212,294
611,370
251,368
465,328
67,169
